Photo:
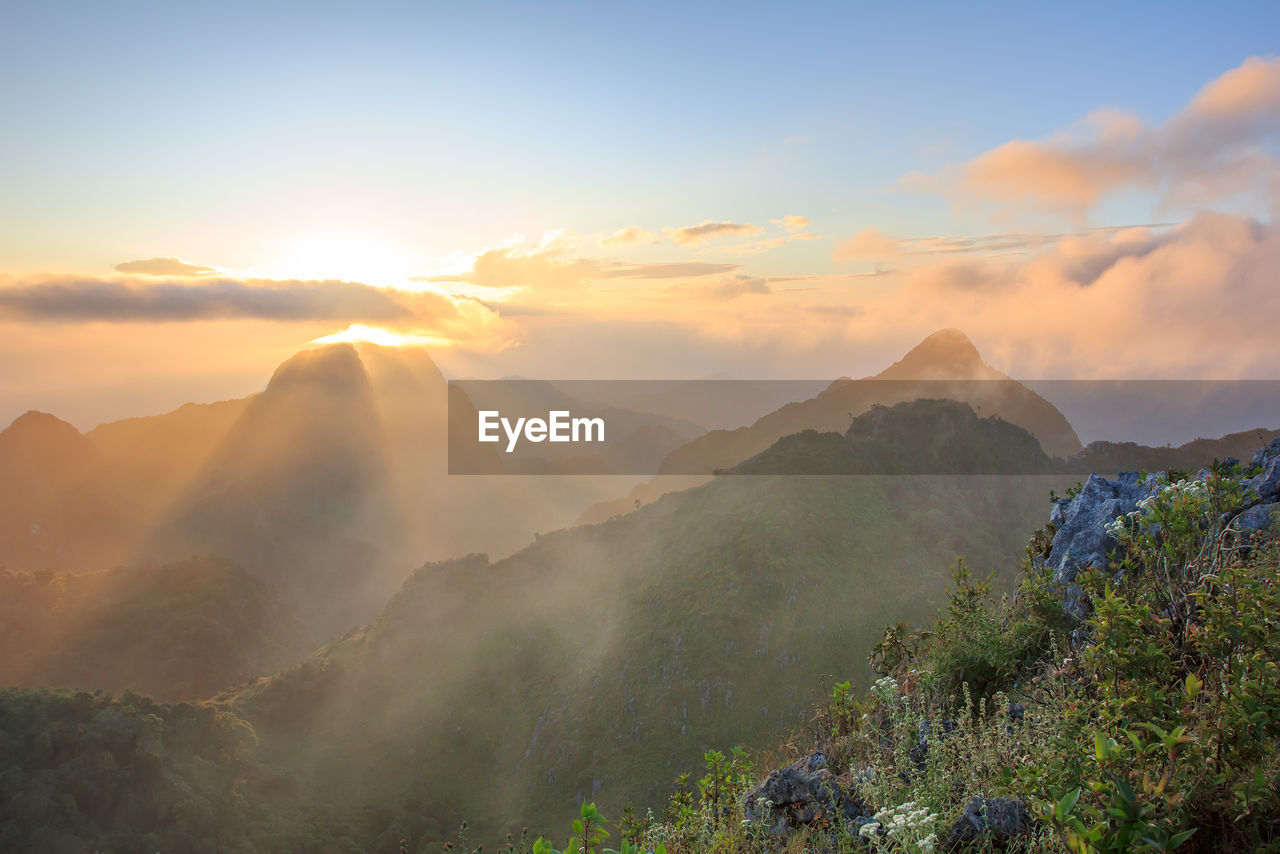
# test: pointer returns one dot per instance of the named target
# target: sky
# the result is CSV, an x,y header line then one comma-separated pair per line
x,y
191,193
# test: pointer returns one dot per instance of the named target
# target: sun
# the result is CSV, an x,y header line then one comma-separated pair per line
x,y
358,333
346,256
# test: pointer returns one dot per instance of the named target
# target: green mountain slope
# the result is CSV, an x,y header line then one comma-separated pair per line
x,y
176,631
87,773
600,660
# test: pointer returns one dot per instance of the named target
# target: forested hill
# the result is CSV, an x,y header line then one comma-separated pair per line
x,y
177,631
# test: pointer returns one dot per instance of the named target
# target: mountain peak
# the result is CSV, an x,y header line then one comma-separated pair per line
x,y
41,432
44,441
946,354
335,367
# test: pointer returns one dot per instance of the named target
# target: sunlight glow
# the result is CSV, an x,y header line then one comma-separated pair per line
x,y
358,332
350,257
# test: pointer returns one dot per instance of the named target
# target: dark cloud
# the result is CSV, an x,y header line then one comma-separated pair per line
x,y
164,266
71,299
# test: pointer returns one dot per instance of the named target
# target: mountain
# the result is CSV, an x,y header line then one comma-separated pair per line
x,y
41,461
84,502
299,492
944,365
601,660
717,401
920,437
173,632
931,437
81,772
1113,457
331,483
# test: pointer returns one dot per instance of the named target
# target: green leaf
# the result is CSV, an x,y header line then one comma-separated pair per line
x,y
1192,686
1067,803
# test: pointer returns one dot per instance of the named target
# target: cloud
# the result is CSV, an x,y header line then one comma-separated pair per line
x,y
629,236
872,244
868,244
164,266
77,299
1190,302
1217,148
728,288
536,269
672,270
550,266
792,223
704,232
760,246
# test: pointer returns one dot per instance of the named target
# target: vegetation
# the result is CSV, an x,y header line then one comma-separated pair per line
x,y
596,663
174,631
1152,726
81,772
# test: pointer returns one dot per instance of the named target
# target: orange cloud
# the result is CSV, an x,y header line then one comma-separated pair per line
x,y
164,266
552,268
792,223
870,244
1217,148
1128,303
704,232
728,288
629,236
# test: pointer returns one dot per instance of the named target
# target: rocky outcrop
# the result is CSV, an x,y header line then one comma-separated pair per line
x,y
1267,483
1081,538
1260,517
804,794
1001,818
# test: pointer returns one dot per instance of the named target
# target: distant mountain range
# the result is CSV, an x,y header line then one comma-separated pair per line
x,y
331,484
944,365
596,662
944,437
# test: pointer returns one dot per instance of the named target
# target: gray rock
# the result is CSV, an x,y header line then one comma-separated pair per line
x,y
1267,483
999,817
804,793
1259,517
1271,451
1081,539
